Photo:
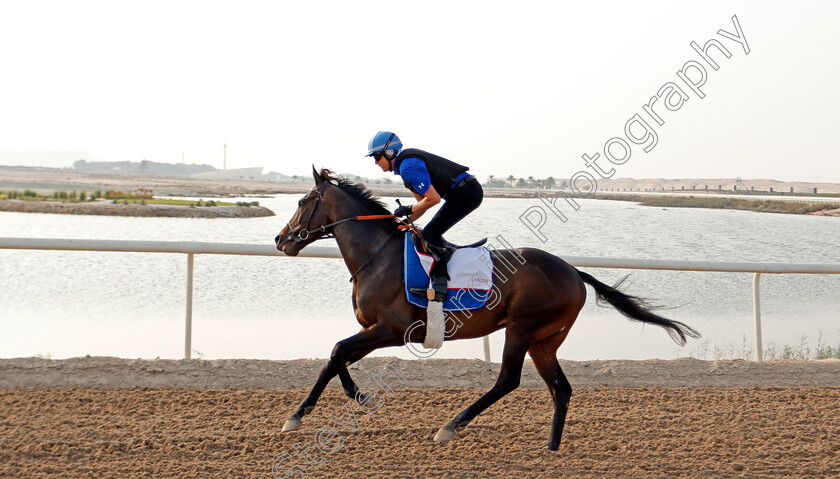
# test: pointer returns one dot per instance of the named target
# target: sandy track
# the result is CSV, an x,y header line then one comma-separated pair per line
x,y
611,432
223,419
107,372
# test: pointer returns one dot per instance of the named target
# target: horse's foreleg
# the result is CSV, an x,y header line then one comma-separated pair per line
x,y
311,400
514,355
345,352
375,337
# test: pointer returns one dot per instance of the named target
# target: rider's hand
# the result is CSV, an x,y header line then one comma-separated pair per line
x,y
403,211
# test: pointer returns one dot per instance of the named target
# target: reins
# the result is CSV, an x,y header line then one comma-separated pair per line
x,y
406,225
303,233
378,249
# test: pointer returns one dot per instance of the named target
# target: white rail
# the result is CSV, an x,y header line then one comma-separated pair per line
x,y
193,248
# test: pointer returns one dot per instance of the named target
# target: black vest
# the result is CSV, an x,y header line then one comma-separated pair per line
x,y
442,172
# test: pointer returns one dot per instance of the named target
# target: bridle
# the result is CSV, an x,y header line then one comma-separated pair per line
x,y
304,233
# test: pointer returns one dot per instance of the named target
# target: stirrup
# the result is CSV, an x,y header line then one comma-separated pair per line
x,y
424,292
430,293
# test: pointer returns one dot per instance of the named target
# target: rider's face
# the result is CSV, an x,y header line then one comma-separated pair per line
x,y
384,163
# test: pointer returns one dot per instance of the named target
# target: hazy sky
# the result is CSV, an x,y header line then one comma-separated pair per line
x,y
523,89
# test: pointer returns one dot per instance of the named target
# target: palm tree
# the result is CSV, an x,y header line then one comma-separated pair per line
x,y
549,182
511,181
490,180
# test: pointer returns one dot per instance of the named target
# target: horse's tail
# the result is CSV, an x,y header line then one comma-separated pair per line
x,y
638,309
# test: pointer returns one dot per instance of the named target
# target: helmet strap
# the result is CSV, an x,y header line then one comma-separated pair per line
x,y
385,149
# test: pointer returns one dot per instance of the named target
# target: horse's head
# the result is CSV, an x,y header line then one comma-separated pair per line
x,y
307,224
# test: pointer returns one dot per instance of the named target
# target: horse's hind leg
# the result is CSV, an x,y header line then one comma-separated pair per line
x,y
324,378
544,354
516,345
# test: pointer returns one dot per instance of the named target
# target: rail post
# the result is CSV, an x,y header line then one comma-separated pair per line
x,y
759,354
188,327
487,348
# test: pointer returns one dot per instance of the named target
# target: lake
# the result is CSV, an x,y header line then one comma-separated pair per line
x,y
66,304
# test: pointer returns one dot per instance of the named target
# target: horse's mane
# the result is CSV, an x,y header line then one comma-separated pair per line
x,y
358,191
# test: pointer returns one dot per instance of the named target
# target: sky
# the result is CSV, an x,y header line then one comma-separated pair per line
x,y
523,89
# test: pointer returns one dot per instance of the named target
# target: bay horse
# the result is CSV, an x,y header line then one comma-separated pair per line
x,y
537,305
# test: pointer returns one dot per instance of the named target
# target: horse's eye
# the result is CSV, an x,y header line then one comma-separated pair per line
x,y
301,202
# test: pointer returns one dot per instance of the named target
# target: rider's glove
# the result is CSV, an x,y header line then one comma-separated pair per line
x,y
403,211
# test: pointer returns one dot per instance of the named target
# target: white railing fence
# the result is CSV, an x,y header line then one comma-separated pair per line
x,y
193,248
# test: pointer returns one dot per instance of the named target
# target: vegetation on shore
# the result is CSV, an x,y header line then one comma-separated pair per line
x,y
746,351
139,196
190,203
766,206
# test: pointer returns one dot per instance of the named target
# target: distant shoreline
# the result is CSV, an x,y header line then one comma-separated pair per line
x,y
745,204
107,208
46,180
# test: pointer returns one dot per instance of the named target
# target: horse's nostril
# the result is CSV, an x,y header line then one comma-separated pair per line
x,y
278,243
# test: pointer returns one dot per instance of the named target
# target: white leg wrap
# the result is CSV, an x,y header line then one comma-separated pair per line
x,y
434,325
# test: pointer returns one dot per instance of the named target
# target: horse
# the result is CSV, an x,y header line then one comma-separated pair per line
x,y
537,303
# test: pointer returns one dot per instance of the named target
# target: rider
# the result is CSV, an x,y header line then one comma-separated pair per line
x,y
430,178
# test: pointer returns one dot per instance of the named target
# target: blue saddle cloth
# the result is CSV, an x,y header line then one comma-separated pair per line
x,y
470,272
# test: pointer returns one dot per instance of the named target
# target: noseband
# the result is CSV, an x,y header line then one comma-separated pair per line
x,y
303,233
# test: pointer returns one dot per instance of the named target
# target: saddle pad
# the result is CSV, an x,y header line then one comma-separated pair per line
x,y
470,273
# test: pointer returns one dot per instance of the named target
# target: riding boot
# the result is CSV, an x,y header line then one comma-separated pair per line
x,y
437,275
440,278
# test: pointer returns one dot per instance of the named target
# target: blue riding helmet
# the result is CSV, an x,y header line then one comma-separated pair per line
x,y
383,140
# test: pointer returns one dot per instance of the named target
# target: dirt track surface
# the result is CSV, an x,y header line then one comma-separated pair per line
x,y
109,417
108,372
610,432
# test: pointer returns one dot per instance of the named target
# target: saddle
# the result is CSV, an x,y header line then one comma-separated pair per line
x,y
447,249
441,255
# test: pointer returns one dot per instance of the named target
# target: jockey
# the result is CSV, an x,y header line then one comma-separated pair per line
x,y
430,178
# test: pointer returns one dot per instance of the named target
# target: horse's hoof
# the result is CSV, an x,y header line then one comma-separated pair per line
x,y
291,424
446,432
362,398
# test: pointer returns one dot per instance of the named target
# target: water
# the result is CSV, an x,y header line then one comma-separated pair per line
x,y
66,304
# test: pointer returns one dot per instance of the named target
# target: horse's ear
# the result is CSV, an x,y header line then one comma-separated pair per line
x,y
318,179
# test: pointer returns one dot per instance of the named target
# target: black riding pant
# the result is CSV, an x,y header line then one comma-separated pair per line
x,y
459,203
